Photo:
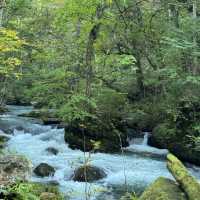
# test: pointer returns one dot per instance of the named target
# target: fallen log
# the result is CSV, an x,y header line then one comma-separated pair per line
x,y
187,182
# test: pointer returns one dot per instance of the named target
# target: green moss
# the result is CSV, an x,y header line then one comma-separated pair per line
x,y
187,182
30,191
163,189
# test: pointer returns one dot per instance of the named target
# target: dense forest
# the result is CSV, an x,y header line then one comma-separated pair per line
x,y
105,72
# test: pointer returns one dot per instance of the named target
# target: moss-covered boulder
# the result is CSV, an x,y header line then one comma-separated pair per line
x,y
88,173
85,137
165,136
12,168
47,117
3,110
179,131
187,182
163,189
3,139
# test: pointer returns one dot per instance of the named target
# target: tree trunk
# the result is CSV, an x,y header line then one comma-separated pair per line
x,y
187,182
2,6
90,55
195,59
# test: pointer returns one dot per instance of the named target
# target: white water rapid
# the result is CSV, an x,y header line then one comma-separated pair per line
x,y
135,166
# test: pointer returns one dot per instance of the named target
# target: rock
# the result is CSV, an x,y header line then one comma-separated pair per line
x,y
51,121
165,137
179,135
34,114
47,117
84,138
52,150
48,196
187,182
139,121
44,170
14,168
3,139
92,174
3,110
17,102
163,189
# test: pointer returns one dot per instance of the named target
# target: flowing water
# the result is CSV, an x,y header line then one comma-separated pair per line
x,y
139,165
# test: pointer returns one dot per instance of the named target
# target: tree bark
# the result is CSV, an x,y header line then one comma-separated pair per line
x,y
2,6
90,55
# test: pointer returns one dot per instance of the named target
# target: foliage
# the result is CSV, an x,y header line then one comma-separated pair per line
x,y
31,191
10,45
77,109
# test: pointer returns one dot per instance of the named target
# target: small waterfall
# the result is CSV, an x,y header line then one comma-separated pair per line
x,y
142,148
146,137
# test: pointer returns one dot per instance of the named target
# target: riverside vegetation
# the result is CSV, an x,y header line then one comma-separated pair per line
x,y
105,71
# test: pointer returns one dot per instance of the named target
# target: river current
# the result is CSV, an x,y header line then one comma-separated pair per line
x,y
134,170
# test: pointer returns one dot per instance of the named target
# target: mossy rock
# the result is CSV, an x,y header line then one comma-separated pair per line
x,y
165,136
88,173
30,191
163,189
12,168
3,139
187,182
48,118
3,110
36,114
85,138
139,121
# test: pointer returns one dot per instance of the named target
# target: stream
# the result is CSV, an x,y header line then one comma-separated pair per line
x,y
139,166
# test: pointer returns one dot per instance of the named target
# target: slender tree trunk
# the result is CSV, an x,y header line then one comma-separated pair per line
x,y
140,77
90,56
174,14
2,6
195,59
90,52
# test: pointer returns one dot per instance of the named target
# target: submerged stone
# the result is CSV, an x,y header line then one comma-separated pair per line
x,y
52,150
88,173
44,170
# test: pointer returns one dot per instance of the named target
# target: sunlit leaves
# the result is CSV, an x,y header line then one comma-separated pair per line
x,y
10,45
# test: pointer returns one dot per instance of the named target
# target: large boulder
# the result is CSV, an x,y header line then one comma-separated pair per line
x,y
44,170
88,173
165,136
47,117
163,189
187,182
3,110
51,121
85,138
180,134
14,168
